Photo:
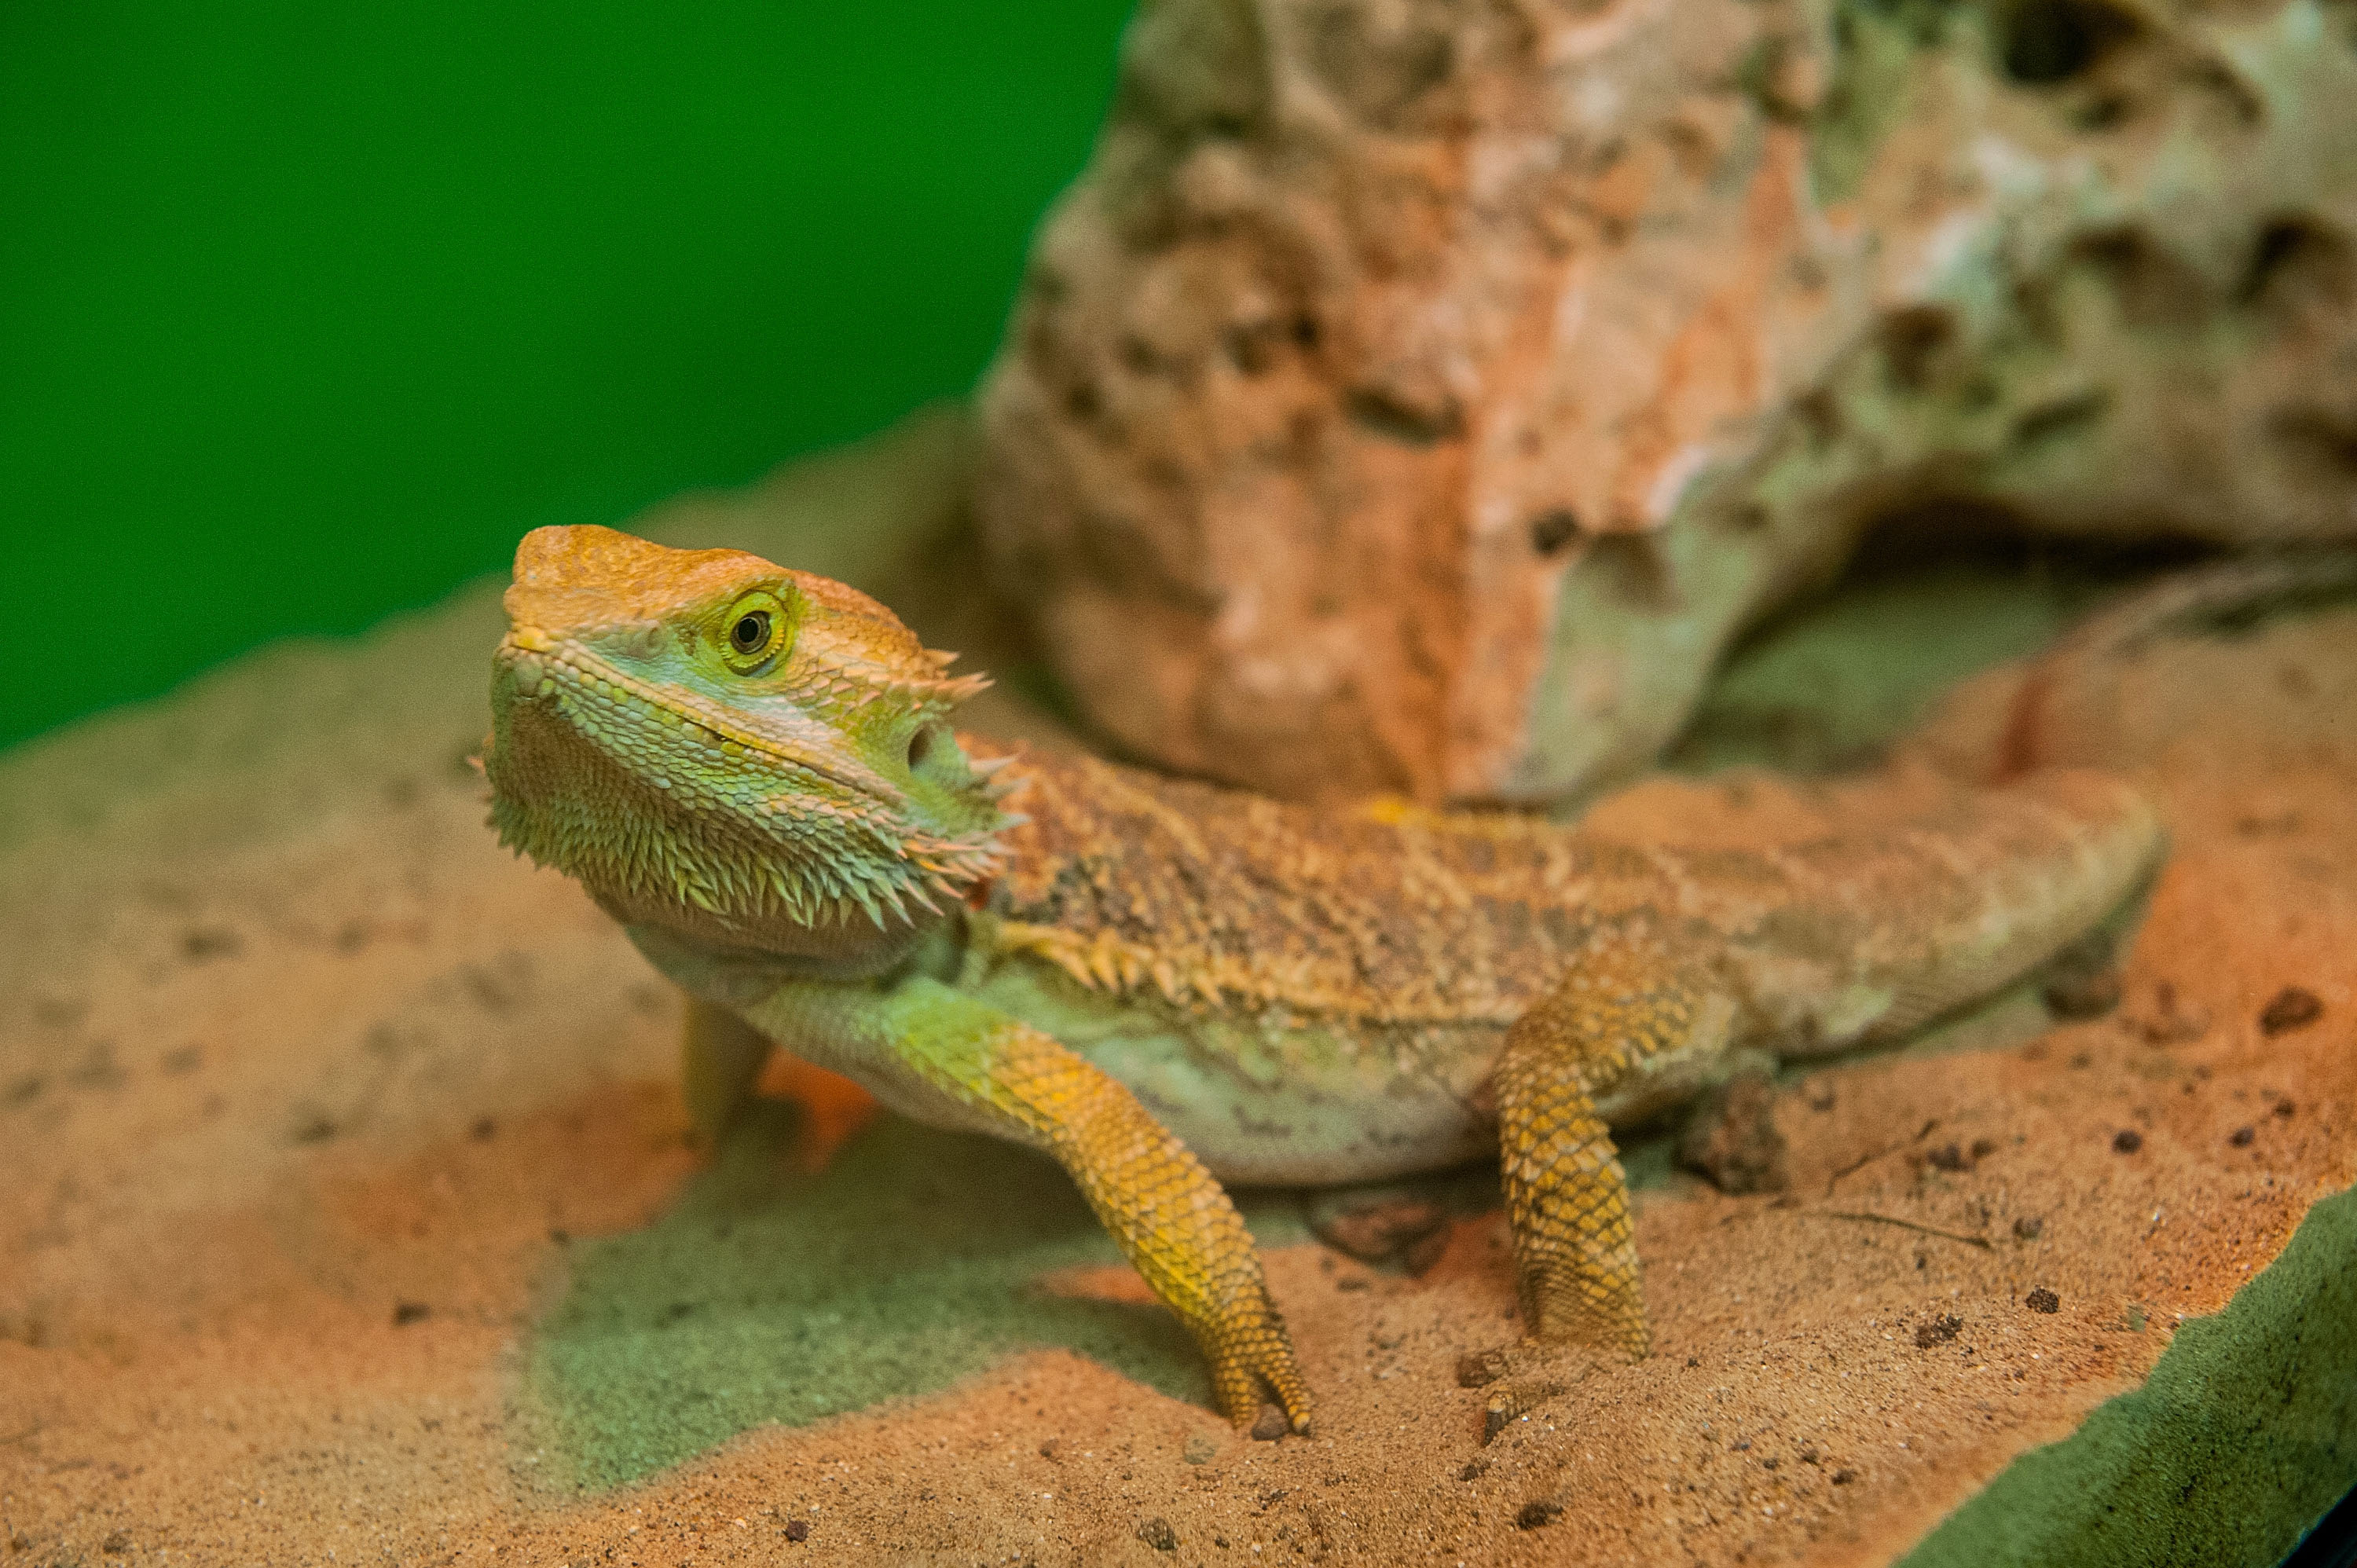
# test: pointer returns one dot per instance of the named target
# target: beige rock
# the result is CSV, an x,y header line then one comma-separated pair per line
x,y
1418,395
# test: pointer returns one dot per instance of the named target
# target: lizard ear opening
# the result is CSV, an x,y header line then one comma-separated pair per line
x,y
938,768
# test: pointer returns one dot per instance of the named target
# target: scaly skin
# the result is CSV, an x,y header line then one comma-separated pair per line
x,y
1159,982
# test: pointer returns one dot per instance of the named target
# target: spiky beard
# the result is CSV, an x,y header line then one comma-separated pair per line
x,y
749,850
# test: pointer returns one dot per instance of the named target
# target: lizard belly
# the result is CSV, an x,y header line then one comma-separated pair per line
x,y
1276,1100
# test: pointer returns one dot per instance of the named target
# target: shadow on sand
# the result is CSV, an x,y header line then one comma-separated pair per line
x,y
767,1295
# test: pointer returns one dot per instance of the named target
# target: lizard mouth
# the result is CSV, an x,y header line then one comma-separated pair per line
x,y
677,810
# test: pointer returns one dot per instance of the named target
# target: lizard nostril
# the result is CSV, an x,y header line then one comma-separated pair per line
x,y
921,745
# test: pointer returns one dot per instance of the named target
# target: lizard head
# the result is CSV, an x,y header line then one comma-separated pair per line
x,y
731,750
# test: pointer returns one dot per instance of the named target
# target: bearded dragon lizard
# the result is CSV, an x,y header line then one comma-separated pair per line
x,y
1162,984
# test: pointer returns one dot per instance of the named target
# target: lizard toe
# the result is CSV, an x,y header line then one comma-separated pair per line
x,y
1252,1360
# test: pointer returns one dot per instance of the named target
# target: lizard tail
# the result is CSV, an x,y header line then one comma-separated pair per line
x,y
2057,865
2222,599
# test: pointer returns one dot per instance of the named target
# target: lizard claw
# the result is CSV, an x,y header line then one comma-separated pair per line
x,y
1250,1353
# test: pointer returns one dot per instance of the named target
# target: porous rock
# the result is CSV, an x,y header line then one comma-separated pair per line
x,y
1418,395
1374,1224
1732,1137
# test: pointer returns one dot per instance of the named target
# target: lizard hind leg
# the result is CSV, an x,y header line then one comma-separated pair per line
x,y
1629,1001
720,1060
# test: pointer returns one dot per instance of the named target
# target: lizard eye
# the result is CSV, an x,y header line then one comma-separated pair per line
x,y
754,631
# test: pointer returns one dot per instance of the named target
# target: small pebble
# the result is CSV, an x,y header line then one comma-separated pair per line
x,y
2127,1141
2042,1300
2029,1227
1477,1369
1198,1450
2084,995
406,1312
1939,1331
1423,1254
210,942
1843,1478
1474,1470
1536,1515
2283,1108
314,1127
1731,1137
798,1530
2293,1007
1156,1533
1374,1226
2241,1136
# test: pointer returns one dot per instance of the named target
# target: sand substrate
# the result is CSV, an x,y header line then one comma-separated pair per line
x,y
349,1213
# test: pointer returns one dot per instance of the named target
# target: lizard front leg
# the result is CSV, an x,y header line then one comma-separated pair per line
x,y
1629,1001
1169,1217
720,1058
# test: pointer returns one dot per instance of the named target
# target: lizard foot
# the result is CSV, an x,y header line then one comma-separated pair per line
x,y
1630,998
1575,1253
1251,1359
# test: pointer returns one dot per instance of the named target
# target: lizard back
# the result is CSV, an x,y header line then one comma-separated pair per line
x,y
1209,897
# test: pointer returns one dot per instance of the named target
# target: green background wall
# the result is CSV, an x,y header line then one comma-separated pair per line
x,y
307,310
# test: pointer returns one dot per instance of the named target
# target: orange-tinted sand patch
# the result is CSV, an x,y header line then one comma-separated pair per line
x,y
308,1093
